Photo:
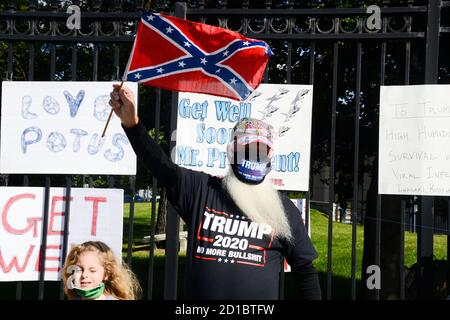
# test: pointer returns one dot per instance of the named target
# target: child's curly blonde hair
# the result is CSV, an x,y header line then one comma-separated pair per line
x,y
120,280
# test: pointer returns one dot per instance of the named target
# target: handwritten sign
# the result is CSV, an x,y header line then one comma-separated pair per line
x,y
205,125
55,128
95,214
414,149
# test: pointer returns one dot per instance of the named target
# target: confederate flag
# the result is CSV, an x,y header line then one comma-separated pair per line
x,y
176,54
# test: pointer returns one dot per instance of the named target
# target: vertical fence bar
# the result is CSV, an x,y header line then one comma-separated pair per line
x,y
378,238
95,62
116,75
408,57
117,7
312,48
9,75
403,203
282,280
19,284
402,250
448,248
42,252
173,220
54,6
288,81
31,62
95,8
32,8
379,197
266,31
52,61
425,246
311,82
432,37
289,63
132,181
4,182
111,181
356,166
67,199
73,66
151,262
332,170
11,5
172,231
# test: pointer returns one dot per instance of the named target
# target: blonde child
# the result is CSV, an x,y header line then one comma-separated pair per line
x,y
92,272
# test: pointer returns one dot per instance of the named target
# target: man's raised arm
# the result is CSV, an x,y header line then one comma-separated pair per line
x,y
123,102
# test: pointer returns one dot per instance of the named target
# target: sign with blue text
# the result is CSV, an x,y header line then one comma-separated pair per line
x,y
205,125
55,128
414,148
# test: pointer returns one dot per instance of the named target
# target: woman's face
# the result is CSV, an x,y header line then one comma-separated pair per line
x,y
91,269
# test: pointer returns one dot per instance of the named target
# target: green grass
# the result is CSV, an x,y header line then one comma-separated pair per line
x,y
141,222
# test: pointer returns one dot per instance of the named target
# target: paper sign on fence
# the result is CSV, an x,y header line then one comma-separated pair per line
x,y
95,214
55,128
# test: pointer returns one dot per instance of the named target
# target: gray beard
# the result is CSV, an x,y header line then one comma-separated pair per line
x,y
259,202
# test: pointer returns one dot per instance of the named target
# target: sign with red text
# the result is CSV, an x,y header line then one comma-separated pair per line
x,y
205,125
414,148
95,214
55,128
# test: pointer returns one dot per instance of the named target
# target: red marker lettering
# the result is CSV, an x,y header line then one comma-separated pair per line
x,y
48,258
53,213
14,263
32,222
95,200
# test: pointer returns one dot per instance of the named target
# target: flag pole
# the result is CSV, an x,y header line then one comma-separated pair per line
x,y
110,114
148,8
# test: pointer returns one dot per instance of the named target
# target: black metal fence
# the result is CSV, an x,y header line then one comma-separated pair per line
x,y
337,46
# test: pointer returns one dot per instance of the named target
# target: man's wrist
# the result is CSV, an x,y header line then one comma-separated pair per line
x,y
131,124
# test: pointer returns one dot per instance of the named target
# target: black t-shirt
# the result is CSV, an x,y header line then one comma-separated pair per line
x,y
229,256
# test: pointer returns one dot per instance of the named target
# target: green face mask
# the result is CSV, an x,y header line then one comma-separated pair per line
x,y
91,293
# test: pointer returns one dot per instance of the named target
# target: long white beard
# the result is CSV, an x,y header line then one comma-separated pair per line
x,y
259,202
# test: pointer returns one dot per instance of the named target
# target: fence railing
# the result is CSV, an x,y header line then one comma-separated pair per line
x,y
328,45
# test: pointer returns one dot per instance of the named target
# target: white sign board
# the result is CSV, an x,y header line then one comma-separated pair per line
x,y
414,148
205,124
95,214
56,127
300,203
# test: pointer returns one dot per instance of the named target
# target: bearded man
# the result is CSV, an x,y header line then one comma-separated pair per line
x,y
241,228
